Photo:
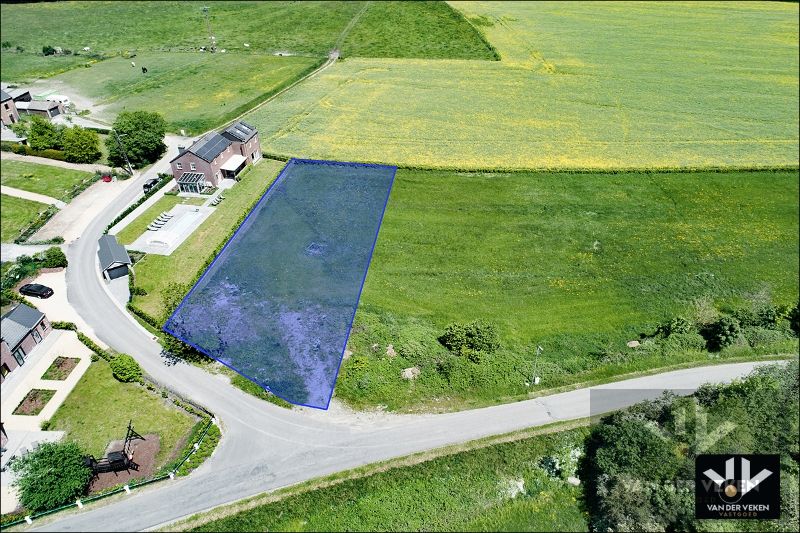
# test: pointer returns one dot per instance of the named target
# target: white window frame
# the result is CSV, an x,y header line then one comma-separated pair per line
x,y
179,166
192,166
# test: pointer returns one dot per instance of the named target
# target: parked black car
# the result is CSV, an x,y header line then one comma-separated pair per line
x,y
34,289
149,184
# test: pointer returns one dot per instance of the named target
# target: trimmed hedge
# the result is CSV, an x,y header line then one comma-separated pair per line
x,y
125,368
144,316
164,179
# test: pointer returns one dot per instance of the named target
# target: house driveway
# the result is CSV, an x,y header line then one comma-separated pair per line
x,y
72,220
57,308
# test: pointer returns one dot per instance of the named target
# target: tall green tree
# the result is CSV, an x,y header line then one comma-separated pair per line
x,y
141,134
80,145
51,475
43,134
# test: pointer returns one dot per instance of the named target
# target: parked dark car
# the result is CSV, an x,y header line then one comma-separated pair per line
x,y
149,184
34,289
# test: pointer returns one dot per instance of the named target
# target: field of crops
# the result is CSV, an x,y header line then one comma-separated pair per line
x,y
577,263
578,86
193,91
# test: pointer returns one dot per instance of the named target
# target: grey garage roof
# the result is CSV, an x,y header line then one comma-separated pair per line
x,y
111,252
4,96
18,322
37,105
191,177
240,131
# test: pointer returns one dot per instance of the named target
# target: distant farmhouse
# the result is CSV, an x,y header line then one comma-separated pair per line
x,y
8,109
45,108
216,156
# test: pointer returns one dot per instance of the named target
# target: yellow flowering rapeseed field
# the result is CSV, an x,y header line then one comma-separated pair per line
x,y
611,85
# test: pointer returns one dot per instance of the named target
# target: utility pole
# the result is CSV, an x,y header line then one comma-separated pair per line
x,y
536,377
124,152
211,38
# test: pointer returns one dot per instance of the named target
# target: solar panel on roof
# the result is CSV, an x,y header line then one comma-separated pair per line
x,y
213,145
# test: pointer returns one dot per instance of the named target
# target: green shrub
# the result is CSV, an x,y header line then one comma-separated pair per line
x,y
54,258
794,319
51,475
760,336
477,336
723,332
125,368
678,324
64,325
95,358
683,342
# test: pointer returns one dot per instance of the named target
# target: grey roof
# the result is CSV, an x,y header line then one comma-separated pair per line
x,y
42,105
209,146
240,131
191,177
18,322
4,96
111,252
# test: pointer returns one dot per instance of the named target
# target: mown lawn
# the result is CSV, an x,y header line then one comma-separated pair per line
x,y
467,491
17,214
132,231
186,87
579,85
155,272
51,181
576,263
99,408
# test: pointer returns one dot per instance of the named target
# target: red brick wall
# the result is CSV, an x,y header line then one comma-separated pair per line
x,y
9,114
28,344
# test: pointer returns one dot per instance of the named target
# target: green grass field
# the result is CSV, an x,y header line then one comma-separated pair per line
x,y
132,231
17,214
467,491
431,30
98,409
576,263
193,91
579,86
411,29
155,272
43,179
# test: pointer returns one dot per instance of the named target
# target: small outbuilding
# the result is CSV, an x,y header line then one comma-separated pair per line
x,y
114,259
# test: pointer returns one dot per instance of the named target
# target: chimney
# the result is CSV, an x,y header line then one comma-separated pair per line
x,y
181,149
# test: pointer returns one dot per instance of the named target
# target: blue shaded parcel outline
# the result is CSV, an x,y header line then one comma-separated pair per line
x,y
278,302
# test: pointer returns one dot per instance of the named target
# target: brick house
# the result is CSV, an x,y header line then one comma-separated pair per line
x,y
216,156
22,328
8,109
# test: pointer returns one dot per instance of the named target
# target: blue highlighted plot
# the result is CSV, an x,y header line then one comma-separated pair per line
x,y
277,303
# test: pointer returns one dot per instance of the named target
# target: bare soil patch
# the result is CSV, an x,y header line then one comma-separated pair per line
x,y
144,454
61,368
33,402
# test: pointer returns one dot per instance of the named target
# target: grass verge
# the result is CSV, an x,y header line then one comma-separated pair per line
x,y
17,214
51,181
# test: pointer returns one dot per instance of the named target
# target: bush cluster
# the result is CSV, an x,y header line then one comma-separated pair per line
x,y
125,368
471,339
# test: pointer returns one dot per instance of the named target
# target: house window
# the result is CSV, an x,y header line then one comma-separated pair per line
x,y
5,370
179,166
37,337
19,355
44,327
192,167
6,106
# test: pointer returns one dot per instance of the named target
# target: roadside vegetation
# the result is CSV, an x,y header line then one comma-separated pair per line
x,y
51,181
634,472
500,487
579,264
63,143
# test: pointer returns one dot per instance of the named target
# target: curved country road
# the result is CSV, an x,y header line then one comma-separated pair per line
x,y
265,447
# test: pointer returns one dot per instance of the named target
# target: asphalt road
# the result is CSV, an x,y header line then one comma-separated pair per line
x,y
265,447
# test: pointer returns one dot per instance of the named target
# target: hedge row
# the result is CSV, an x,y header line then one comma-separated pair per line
x,y
40,221
144,316
164,179
24,149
